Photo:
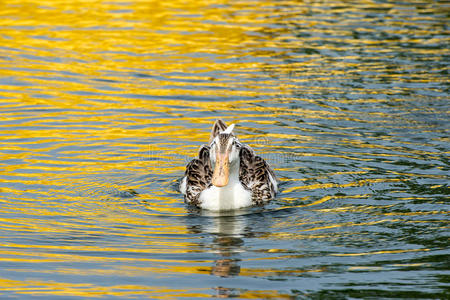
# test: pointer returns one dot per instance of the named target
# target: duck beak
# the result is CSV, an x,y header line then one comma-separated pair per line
x,y
221,170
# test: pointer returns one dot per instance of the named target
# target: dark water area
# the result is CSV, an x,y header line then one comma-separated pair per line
x,y
103,103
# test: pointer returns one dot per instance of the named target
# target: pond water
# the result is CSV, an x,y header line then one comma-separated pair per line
x,y
103,103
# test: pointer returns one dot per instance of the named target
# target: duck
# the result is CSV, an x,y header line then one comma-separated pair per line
x,y
227,175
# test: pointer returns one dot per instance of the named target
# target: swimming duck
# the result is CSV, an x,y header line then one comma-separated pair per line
x,y
227,174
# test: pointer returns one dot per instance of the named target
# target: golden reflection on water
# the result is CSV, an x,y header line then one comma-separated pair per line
x,y
77,76
31,287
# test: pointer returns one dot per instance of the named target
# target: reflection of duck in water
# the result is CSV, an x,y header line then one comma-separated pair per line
x,y
227,230
227,174
224,235
227,266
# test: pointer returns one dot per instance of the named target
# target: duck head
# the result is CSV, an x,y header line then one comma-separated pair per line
x,y
224,152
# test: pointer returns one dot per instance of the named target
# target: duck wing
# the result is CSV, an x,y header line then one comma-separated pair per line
x,y
198,176
256,175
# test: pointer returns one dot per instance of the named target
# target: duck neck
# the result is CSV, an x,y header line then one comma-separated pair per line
x,y
234,172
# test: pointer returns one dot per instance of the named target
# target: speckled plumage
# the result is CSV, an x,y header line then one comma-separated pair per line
x,y
254,174
252,181
198,176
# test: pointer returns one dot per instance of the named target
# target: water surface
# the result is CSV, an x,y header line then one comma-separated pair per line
x,y
103,103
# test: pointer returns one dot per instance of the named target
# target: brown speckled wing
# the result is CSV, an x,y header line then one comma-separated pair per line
x,y
198,176
254,175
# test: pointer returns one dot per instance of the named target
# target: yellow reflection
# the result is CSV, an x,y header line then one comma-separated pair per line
x,y
55,288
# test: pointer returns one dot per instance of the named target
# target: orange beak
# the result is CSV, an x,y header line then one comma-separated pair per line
x,y
221,170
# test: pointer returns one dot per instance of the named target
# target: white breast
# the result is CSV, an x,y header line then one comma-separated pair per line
x,y
182,186
231,196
